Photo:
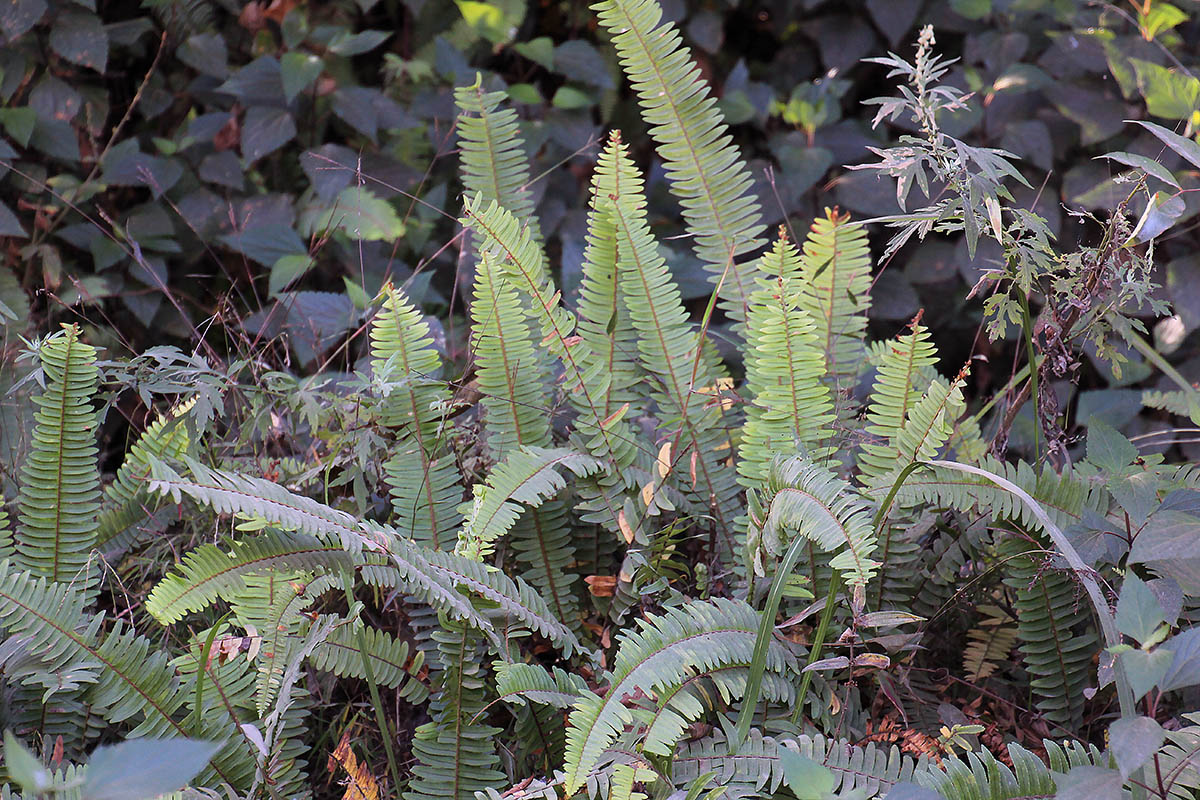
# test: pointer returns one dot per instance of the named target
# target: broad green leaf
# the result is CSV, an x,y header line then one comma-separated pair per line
x,y
1139,613
79,37
1145,670
361,215
24,767
287,269
140,769
1089,783
1168,92
568,97
1108,449
1132,741
807,779
19,123
1180,144
265,130
1146,165
299,71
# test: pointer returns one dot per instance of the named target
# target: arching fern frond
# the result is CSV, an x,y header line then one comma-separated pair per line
x,y
981,774
664,651
126,500
525,477
820,507
491,152
394,663
208,572
421,473
60,481
790,409
702,163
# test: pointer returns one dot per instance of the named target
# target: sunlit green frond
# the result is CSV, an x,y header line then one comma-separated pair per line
x,y
394,663
894,395
524,478
210,572
790,410
818,506
685,384
491,151
126,500
421,473
663,652
516,399
836,272
519,683
60,481
1064,495
456,753
981,774
703,165
1185,404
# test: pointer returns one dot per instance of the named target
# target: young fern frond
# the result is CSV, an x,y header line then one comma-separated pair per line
x,y
791,410
835,270
422,473
894,395
60,481
666,650
670,350
526,477
491,151
703,165
820,507
126,500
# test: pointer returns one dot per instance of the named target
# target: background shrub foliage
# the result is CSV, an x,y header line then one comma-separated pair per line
x,y
367,398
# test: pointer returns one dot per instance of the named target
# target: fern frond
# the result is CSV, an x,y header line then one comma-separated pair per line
x,y
990,641
791,410
670,350
421,473
1184,404
526,477
1063,495
126,500
836,271
393,662
981,774
272,603
820,507
455,754
507,367
60,481
518,683
756,768
427,574
491,151
702,163
1054,626
894,395
208,572
664,651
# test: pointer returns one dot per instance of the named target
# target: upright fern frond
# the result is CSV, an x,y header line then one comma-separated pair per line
x,y
60,481
894,395
820,507
422,473
456,755
662,653
1054,625
702,163
508,369
527,477
491,151
836,272
125,499
791,410
670,350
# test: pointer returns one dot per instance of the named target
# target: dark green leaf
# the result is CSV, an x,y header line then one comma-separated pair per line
x,y
1132,741
9,224
18,16
19,123
206,53
264,131
299,71
807,779
1108,449
266,244
1180,144
1145,670
79,37
1138,611
1089,783
1146,165
1184,667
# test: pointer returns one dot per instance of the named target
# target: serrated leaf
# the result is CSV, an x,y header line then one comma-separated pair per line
x,y
287,269
361,215
1132,741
